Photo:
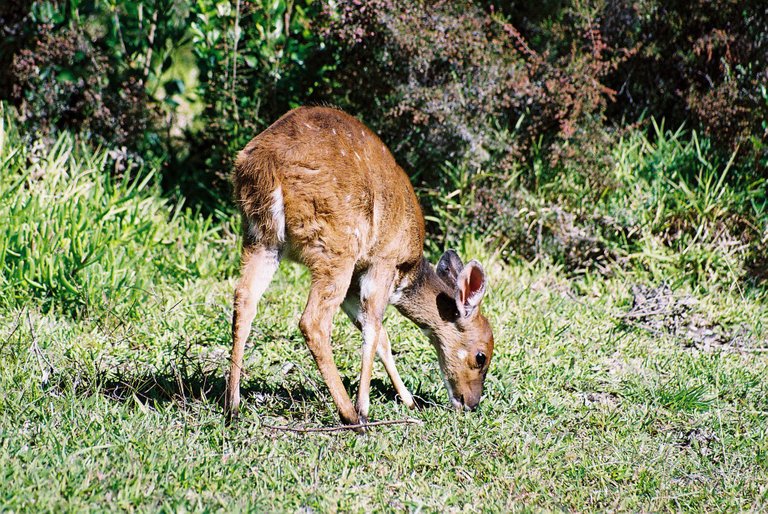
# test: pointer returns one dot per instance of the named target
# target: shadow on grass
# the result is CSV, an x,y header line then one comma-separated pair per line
x,y
187,380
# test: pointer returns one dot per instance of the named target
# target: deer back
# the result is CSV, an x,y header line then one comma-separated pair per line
x,y
318,183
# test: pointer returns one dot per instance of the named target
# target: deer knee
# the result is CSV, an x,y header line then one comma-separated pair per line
x,y
306,326
243,298
312,329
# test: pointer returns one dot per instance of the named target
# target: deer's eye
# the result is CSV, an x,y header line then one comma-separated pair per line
x,y
480,359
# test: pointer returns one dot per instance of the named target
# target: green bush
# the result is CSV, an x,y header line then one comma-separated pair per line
x,y
77,238
183,86
511,119
672,205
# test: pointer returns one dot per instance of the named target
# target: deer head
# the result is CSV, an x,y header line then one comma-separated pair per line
x,y
445,303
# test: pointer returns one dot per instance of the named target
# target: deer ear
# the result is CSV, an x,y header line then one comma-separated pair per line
x,y
448,267
470,288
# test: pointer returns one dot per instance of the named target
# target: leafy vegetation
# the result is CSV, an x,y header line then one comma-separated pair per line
x,y
663,203
606,161
79,238
115,335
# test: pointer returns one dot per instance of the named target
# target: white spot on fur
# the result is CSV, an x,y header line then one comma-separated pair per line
x,y
358,156
254,232
343,153
461,354
278,213
334,131
367,287
357,233
369,333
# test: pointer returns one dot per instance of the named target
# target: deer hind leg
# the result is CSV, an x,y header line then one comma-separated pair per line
x,y
329,286
258,268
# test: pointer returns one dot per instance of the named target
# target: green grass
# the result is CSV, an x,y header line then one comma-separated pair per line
x,y
111,401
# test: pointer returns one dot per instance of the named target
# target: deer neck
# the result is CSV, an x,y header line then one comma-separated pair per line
x,y
418,301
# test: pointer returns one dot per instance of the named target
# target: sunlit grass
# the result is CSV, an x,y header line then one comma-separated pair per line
x,y
110,386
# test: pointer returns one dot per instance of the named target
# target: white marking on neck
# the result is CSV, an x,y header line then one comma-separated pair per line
x,y
278,213
397,292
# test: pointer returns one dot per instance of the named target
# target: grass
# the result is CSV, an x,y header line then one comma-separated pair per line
x,y
111,401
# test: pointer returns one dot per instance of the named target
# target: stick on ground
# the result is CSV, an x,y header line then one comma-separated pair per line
x,y
339,428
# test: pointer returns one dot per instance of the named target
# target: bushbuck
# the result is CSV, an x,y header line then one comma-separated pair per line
x,y
320,188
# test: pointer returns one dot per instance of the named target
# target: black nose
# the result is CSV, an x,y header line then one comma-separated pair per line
x,y
471,406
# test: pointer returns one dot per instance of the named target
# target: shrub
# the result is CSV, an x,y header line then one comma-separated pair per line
x,y
702,61
676,205
178,84
451,81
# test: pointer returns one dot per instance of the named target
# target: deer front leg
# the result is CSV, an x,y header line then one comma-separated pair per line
x,y
375,287
384,351
325,296
352,307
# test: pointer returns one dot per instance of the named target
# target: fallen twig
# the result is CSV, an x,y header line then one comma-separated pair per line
x,y
429,402
13,332
44,373
339,428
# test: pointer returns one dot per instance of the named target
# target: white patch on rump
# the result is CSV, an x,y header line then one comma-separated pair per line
x,y
278,213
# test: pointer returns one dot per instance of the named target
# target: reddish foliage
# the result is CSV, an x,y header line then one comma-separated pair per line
x,y
82,99
702,61
446,77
